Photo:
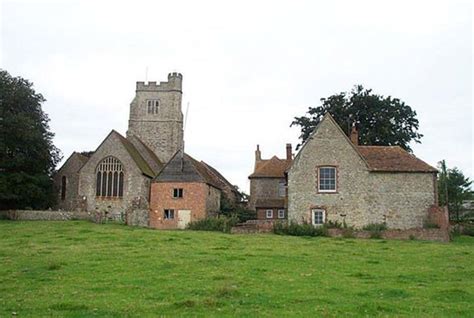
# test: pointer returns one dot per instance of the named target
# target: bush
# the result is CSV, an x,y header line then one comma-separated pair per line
x,y
430,225
468,229
219,224
297,229
334,225
375,229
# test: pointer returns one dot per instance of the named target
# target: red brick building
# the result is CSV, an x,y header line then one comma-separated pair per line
x,y
185,190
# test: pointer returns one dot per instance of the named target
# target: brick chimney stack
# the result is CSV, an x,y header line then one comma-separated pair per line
x,y
258,154
354,135
289,154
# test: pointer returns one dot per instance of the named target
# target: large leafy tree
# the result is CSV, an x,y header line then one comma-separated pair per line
x,y
380,120
27,154
453,189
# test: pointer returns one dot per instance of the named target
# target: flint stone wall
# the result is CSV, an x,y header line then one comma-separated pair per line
x,y
45,215
401,200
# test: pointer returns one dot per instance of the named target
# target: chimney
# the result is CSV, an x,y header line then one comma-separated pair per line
x,y
354,135
258,155
289,154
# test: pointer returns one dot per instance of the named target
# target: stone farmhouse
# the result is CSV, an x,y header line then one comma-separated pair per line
x,y
332,178
126,174
268,186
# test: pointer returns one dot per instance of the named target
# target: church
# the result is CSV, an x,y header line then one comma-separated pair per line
x,y
148,165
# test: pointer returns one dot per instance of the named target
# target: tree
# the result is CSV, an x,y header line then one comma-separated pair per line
x,y
453,189
380,120
27,154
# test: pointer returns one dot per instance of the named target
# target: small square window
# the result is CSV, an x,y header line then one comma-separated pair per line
x,y
269,214
281,214
318,216
169,214
177,193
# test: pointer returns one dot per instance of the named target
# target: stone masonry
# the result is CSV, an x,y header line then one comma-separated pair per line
x,y
162,132
400,199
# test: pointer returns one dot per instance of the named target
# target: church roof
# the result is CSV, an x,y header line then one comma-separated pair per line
x,y
136,156
184,168
147,154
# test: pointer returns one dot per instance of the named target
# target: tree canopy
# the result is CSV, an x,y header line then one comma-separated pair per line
x,y
385,121
453,189
28,156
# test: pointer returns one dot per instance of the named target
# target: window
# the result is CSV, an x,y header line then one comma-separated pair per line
x,y
281,214
319,216
177,193
63,188
269,214
281,189
169,214
153,105
327,179
109,178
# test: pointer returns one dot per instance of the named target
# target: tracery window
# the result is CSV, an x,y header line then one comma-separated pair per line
x,y
109,178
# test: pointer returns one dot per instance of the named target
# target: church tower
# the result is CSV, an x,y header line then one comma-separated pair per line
x,y
156,117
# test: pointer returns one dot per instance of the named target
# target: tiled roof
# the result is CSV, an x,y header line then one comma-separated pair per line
x,y
148,155
270,203
272,168
184,168
392,159
223,182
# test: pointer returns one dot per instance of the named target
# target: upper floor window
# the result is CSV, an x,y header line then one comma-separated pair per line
x,y
281,189
269,214
63,188
177,193
153,105
327,179
110,178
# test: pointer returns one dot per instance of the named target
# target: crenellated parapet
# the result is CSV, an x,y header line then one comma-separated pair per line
x,y
174,83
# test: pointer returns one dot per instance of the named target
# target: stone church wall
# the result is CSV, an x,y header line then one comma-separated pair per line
x,y
136,185
70,171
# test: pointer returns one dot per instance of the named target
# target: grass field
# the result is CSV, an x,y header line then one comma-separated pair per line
x,y
80,269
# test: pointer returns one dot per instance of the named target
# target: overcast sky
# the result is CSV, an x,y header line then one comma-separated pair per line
x,y
249,67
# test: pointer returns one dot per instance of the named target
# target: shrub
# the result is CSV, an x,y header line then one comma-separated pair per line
x,y
375,229
468,229
335,225
219,224
297,229
430,225
348,232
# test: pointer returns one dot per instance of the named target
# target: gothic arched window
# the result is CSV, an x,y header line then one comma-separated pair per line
x,y
109,178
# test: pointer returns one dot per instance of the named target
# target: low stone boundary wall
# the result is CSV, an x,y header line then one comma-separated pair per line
x,y
44,215
253,226
441,235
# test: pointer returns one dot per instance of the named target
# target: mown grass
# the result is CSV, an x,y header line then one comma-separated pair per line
x,y
79,269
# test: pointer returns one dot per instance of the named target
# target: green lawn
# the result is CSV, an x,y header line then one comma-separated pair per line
x,y
80,269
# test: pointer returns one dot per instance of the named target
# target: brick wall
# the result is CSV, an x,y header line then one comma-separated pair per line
x,y
195,196
262,214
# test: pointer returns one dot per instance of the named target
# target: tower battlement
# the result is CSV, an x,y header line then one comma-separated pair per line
x,y
174,83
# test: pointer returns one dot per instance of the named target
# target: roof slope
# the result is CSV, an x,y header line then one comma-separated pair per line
x,y
393,159
147,154
184,168
223,182
272,168
136,156
378,158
